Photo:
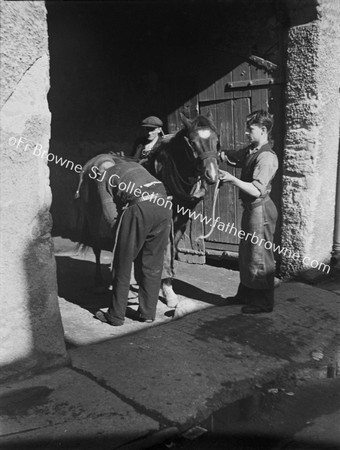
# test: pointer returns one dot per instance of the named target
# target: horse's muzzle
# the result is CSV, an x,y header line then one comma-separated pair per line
x,y
211,171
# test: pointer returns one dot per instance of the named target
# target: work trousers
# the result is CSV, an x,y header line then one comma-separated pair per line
x,y
256,256
141,236
169,258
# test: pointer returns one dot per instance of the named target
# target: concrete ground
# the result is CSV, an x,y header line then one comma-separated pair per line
x,y
135,385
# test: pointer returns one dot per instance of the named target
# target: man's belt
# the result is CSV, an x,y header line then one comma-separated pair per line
x,y
153,197
255,203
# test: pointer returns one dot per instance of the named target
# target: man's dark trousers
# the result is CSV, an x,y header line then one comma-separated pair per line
x,y
141,236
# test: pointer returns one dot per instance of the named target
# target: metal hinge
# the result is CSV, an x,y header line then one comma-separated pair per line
x,y
250,83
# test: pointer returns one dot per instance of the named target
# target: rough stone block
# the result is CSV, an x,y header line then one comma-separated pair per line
x,y
301,71
31,330
303,114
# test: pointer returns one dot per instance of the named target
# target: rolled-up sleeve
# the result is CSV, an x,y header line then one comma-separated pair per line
x,y
264,171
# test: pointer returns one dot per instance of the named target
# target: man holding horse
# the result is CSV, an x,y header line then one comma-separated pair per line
x,y
145,145
256,261
141,234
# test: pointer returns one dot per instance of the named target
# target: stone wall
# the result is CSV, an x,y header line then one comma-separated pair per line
x,y
31,331
312,132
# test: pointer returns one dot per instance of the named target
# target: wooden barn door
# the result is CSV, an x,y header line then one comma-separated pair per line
x,y
246,88
249,86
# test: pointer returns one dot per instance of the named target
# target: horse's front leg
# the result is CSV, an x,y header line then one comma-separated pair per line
x,y
168,273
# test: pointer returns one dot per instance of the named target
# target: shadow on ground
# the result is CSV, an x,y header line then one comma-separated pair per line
x,y
193,292
210,441
76,283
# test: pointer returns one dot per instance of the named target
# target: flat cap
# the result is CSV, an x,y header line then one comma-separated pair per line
x,y
152,121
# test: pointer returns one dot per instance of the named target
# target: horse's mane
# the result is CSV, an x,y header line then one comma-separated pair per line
x,y
169,142
166,153
122,158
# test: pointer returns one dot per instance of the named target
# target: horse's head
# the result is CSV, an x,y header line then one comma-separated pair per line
x,y
202,138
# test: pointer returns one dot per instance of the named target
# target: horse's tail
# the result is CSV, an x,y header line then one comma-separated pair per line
x,y
86,168
79,204
77,194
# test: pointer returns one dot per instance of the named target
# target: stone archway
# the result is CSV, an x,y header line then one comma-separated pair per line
x,y
312,133
32,334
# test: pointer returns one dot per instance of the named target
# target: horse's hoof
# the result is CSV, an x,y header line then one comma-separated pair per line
x,y
170,296
277,282
185,307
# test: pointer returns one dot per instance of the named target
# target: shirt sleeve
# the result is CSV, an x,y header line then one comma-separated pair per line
x,y
265,170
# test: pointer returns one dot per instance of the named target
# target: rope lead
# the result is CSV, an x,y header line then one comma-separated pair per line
x,y
213,214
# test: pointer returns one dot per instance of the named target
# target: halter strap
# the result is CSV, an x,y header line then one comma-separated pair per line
x,y
202,156
206,155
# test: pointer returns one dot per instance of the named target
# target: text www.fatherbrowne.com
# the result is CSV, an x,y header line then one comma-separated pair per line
x,y
254,239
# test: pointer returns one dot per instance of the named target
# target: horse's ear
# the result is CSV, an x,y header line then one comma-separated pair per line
x,y
209,116
186,122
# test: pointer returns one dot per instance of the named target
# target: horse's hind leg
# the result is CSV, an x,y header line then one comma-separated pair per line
x,y
98,280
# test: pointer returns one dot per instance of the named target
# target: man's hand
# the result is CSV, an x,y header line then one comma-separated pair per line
x,y
249,188
225,176
224,157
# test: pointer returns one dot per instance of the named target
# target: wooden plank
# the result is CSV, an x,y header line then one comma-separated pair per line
x,y
225,205
227,198
207,204
263,64
218,111
249,83
241,73
189,243
227,140
222,246
257,73
217,90
221,84
207,94
241,110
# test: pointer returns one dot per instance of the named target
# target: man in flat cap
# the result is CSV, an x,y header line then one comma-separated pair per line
x,y
144,146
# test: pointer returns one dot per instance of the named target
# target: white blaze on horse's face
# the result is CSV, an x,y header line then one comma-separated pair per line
x,y
212,170
204,134
205,142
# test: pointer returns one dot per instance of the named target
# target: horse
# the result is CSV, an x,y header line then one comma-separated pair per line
x,y
186,162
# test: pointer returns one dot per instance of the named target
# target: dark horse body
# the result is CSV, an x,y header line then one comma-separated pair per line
x,y
185,162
